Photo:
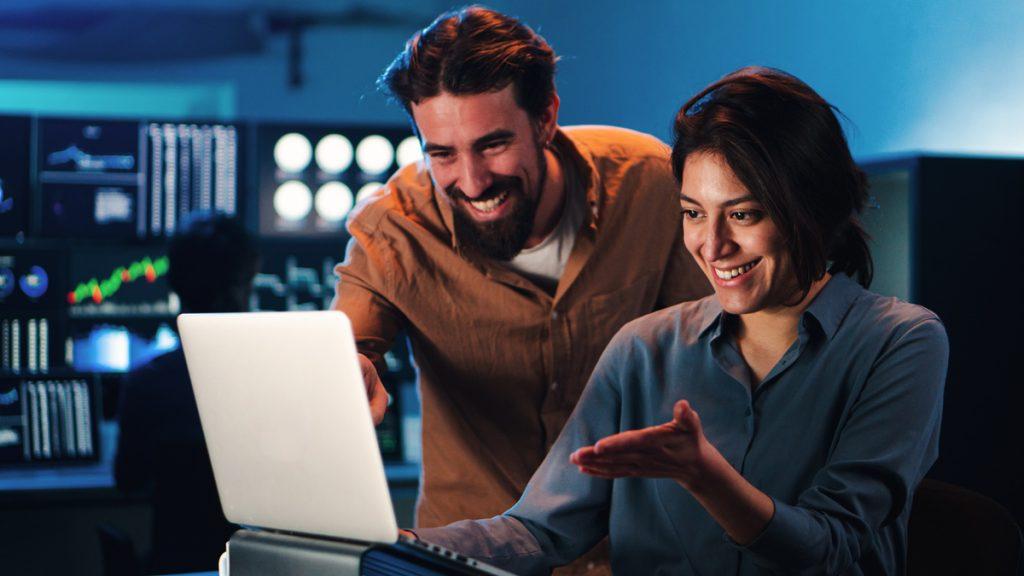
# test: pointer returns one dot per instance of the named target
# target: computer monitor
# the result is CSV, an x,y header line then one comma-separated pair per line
x,y
32,288
120,307
48,420
14,174
118,179
310,177
190,167
89,176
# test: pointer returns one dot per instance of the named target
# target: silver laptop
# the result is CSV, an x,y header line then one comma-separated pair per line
x,y
288,427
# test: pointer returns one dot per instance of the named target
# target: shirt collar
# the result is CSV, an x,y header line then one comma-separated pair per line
x,y
833,302
828,308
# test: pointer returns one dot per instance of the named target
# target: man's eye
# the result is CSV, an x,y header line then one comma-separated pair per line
x,y
496,146
440,156
690,214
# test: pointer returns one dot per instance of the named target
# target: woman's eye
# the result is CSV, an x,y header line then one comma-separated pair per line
x,y
746,216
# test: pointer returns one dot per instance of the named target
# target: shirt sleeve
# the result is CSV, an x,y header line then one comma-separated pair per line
x,y
885,446
364,280
562,513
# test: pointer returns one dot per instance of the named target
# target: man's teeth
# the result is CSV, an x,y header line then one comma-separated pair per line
x,y
730,274
489,205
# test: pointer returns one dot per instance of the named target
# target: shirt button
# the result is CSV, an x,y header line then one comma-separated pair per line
x,y
554,386
554,314
590,565
748,411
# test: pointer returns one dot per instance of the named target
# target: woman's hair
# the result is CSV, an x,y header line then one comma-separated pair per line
x,y
784,143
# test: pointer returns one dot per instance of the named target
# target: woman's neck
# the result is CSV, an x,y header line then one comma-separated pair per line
x,y
764,336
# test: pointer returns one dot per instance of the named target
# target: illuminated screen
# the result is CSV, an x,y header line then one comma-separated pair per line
x,y
296,275
190,167
48,419
123,180
119,347
89,178
310,177
32,286
120,307
14,174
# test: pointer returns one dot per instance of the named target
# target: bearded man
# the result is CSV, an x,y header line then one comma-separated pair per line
x,y
510,256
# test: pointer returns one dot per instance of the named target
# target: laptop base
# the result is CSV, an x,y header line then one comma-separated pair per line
x,y
264,553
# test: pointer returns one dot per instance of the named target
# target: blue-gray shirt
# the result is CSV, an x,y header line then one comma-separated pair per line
x,y
838,434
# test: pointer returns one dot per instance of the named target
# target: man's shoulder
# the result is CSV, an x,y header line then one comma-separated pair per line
x,y
617,143
406,197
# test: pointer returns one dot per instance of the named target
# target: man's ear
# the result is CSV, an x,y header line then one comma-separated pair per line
x,y
548,121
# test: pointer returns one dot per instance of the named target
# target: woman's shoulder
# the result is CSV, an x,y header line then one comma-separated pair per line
x,y
891,319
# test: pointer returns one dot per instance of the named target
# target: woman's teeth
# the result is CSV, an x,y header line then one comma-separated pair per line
x,y
730,274
488,205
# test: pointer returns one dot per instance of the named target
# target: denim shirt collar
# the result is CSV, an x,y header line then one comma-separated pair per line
x,y
827,310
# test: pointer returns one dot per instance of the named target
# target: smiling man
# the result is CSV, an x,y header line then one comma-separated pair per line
x,y
510,257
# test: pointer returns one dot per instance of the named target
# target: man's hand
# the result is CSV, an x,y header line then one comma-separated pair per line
x,y
375,391
677,449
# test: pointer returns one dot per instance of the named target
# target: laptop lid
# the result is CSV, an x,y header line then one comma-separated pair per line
x,y
287,423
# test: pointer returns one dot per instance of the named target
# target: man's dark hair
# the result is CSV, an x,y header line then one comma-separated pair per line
x,y
473,50
784,143
213,261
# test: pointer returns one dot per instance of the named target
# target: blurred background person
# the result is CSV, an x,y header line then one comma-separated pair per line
x,y
161,449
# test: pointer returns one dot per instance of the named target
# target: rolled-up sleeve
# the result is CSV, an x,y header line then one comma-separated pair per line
x,y
885,446
364,278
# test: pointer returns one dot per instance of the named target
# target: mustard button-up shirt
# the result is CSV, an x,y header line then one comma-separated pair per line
x,y
502,362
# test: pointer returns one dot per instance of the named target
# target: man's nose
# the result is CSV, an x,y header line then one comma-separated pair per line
x,y
475,177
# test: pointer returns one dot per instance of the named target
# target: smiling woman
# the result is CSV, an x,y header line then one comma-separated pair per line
x,y
793,411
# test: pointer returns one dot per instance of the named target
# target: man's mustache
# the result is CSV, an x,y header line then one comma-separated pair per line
x,y
500,185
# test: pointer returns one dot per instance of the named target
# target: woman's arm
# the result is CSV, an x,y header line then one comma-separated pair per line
x,y
884,448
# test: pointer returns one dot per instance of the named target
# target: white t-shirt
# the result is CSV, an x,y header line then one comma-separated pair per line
x,y
543,264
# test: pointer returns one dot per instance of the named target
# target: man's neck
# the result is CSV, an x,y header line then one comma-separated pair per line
x,y
551,202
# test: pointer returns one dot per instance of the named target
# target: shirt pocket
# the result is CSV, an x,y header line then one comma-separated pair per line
x,y
602,316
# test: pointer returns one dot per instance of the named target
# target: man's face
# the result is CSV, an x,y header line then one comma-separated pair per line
x,y
486,157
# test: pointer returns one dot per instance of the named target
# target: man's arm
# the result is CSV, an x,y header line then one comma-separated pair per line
x,y
364,280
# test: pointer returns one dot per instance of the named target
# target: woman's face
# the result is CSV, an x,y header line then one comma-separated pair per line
x,y
729,234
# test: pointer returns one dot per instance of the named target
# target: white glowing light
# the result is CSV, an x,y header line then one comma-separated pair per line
x,y
293,152
409,151
293,200
366,190
334,153
333,201
375,154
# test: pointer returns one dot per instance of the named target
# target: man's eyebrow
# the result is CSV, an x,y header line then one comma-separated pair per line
x,y
429,147
727,203
491,137
481,142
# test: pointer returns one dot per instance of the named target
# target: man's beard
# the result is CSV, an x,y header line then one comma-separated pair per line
x,y
500,239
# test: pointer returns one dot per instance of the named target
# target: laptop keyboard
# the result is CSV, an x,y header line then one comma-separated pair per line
x,y
415,557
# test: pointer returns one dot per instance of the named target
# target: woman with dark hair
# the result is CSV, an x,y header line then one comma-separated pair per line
x,y
779,425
